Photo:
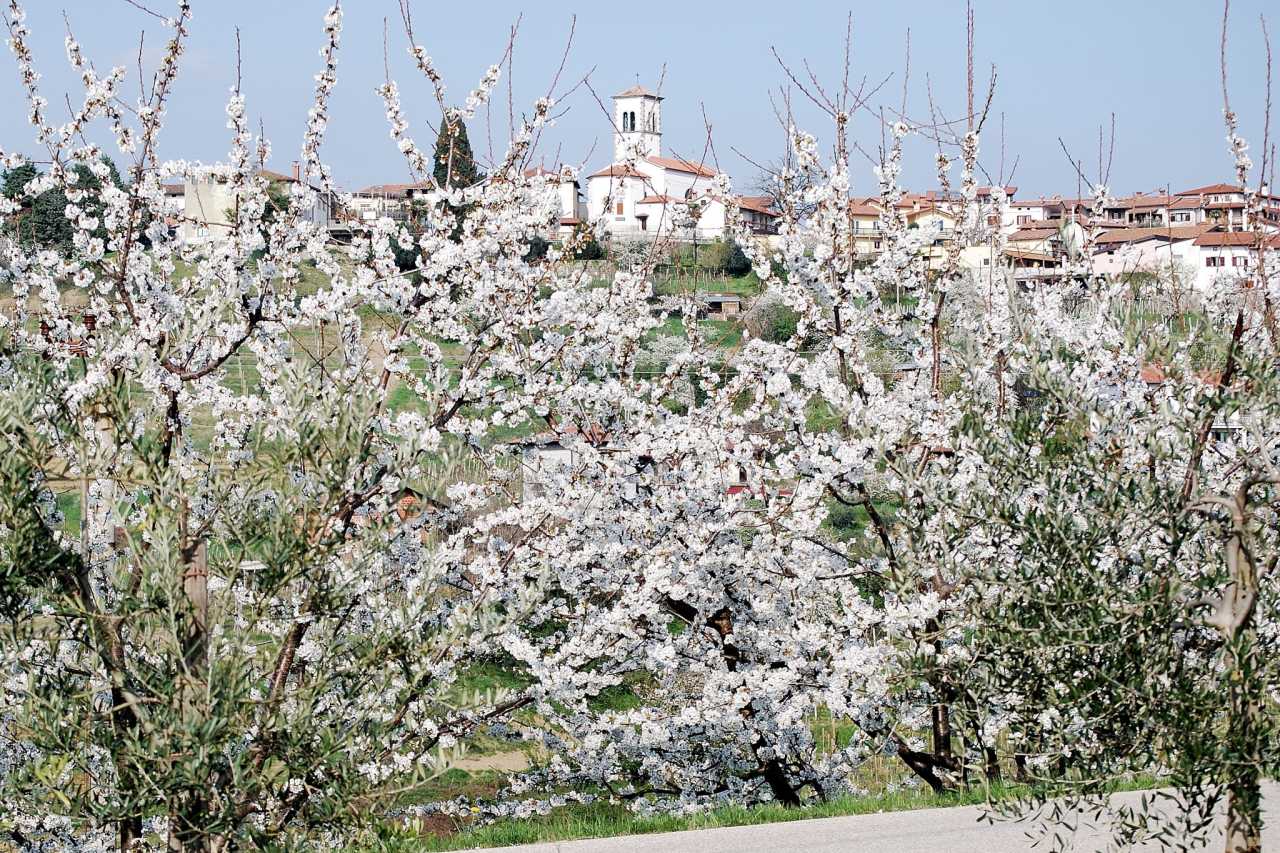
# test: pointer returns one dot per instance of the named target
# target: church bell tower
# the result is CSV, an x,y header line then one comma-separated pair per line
x,y
637,119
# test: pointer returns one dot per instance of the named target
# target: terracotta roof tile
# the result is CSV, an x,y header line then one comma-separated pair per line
x,y
618,170
1212,188
1224,239
1137,235
758,204
869,206
1033,231
679,164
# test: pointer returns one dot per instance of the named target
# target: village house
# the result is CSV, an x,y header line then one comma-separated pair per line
x,y
390,201
208,207
1122,251
1226,257
573,209
864,216
395,201
1025,212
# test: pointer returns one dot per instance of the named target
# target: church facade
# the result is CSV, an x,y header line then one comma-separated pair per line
x,y
644,194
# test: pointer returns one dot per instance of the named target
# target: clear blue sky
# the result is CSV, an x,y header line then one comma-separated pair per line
x,y
1064,67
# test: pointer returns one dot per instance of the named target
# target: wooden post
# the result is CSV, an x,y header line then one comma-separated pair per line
x,y
195,586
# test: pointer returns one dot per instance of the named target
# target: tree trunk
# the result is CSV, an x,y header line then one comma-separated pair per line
x,y
923,764
129,832
993,766
188,815
941,731
1244,815
772,769
783,791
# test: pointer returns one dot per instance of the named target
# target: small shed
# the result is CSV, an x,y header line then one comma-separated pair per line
x,y
723,305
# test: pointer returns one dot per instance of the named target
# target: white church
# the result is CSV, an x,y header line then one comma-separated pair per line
x,y
652,195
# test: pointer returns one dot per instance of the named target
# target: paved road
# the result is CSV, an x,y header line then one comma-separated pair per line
x,y
953,830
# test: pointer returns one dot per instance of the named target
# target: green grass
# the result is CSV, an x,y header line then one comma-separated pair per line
x,y
747,285
69,505
725,334
604,820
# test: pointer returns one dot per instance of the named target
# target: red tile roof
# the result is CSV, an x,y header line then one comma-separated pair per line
x,y
1223,239
679,164
275,176
758,204
1137,201
659,199
1020,255
617,170
1138,235
869,206
1212,188
1033,231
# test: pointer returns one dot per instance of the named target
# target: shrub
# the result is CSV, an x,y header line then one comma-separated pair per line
x,y
736,263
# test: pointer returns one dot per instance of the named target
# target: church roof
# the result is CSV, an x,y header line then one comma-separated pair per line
x,y
679,164
618,170
637,91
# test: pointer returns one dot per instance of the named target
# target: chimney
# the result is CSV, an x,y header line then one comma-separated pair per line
x,y
297,170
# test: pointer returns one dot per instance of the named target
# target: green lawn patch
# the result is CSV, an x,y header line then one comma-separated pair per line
x,y
605,820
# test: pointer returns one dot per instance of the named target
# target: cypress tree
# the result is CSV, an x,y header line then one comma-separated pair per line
x,y
17,178
45,222
19,224
455,166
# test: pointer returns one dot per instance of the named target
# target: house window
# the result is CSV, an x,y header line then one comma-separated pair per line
x,y
618,209
1214,261
1239,262
644,222
877,244
1023,220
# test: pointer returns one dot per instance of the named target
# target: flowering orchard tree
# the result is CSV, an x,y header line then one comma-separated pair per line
x,y
1129,607
255,635
1125,592
687,539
